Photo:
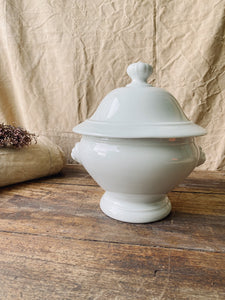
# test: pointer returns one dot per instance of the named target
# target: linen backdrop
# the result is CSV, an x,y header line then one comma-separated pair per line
x,y
58,59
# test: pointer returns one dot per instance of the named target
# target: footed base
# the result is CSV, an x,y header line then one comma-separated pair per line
x,y
135,208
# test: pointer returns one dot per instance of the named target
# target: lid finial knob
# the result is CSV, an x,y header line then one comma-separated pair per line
x,y
139,73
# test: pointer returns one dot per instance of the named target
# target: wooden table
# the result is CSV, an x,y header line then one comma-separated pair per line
x,y
55,243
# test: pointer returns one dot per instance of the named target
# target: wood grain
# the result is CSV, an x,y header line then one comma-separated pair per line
x,y
55,243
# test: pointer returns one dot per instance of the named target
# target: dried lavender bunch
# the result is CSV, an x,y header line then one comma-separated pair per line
x,y
15,137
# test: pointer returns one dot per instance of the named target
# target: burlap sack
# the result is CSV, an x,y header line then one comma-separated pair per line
x,y
38,160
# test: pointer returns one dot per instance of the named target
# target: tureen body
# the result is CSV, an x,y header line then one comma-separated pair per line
x,y
138,146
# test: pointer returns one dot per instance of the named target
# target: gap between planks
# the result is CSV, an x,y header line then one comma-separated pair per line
x,y
111,242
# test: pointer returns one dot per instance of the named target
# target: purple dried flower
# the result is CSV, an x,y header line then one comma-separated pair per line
x,y
15,137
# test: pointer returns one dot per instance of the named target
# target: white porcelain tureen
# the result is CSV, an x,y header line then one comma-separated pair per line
x,y
138,146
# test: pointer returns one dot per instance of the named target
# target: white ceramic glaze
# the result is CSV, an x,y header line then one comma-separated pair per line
x,y
139,111
138,146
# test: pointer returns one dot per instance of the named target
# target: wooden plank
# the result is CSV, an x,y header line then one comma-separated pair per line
x,y
55,243
89,196
70,175
198,203
196,222
211,182
198,181
34,267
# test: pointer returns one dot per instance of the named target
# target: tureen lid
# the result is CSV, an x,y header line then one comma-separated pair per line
x,y
139,110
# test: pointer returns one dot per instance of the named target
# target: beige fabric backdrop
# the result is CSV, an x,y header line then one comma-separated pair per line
x,y
59,58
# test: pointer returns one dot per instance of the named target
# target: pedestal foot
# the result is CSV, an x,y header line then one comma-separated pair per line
x,y
135,208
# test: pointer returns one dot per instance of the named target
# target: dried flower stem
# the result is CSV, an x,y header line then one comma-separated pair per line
x,y
15,137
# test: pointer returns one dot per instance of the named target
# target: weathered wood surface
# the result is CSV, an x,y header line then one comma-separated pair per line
x,y
55,243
